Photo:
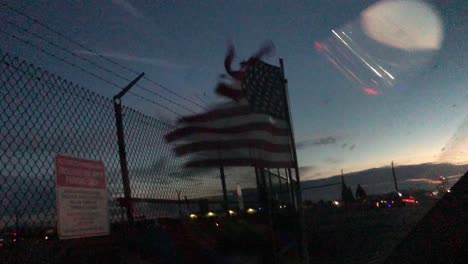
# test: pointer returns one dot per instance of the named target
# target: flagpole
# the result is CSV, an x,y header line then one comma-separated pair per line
x,y
300,209
291,135
343,187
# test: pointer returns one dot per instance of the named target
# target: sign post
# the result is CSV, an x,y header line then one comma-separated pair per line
x,y
82,202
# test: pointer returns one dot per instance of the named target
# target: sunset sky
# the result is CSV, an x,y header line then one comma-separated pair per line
x,y
418,115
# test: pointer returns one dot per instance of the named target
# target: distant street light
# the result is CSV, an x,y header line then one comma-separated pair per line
x,y
251,211
193,216
211,214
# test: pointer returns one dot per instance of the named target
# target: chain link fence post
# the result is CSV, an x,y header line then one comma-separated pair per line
x,y
121,144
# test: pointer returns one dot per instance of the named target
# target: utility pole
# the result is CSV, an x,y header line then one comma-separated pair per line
x,y
394,178
343,186
121,144
342,178
223,184
187,203
179,202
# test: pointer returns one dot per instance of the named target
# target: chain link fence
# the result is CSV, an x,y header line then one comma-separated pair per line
x,y
43,115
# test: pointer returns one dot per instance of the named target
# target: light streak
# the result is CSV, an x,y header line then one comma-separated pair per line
x,y
386,72
357,55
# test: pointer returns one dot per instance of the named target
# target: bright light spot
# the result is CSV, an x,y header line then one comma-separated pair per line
x,y
409,200
448,190
14,239
336,203
211,214
231,212
46,237
193,216
281,206
377,204
399,194
389,206
251,211
370,91
407,25
217,224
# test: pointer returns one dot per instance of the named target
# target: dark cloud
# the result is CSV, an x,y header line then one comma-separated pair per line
x,y
352,147
344,145
315,142
308,169
166,171
310,172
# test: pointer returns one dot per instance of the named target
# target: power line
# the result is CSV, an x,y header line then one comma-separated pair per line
x,y
154,102
95,64
201,99
27,42
99,55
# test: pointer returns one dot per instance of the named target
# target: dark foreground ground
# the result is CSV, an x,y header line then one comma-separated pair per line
x,y
335,235
359,236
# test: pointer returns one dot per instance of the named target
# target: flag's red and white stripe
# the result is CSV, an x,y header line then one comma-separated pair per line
x,y
233,135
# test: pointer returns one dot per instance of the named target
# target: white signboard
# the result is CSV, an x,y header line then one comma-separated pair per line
x,y
82,202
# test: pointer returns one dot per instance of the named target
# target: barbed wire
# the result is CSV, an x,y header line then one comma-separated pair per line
x,y
41,49
107,70
19,12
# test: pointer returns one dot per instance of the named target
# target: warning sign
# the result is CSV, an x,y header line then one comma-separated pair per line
x,y
82,203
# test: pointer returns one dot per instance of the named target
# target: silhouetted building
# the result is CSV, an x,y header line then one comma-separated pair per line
x,y
346,192
360,193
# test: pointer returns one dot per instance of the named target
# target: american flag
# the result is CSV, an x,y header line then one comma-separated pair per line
x,y
249,130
